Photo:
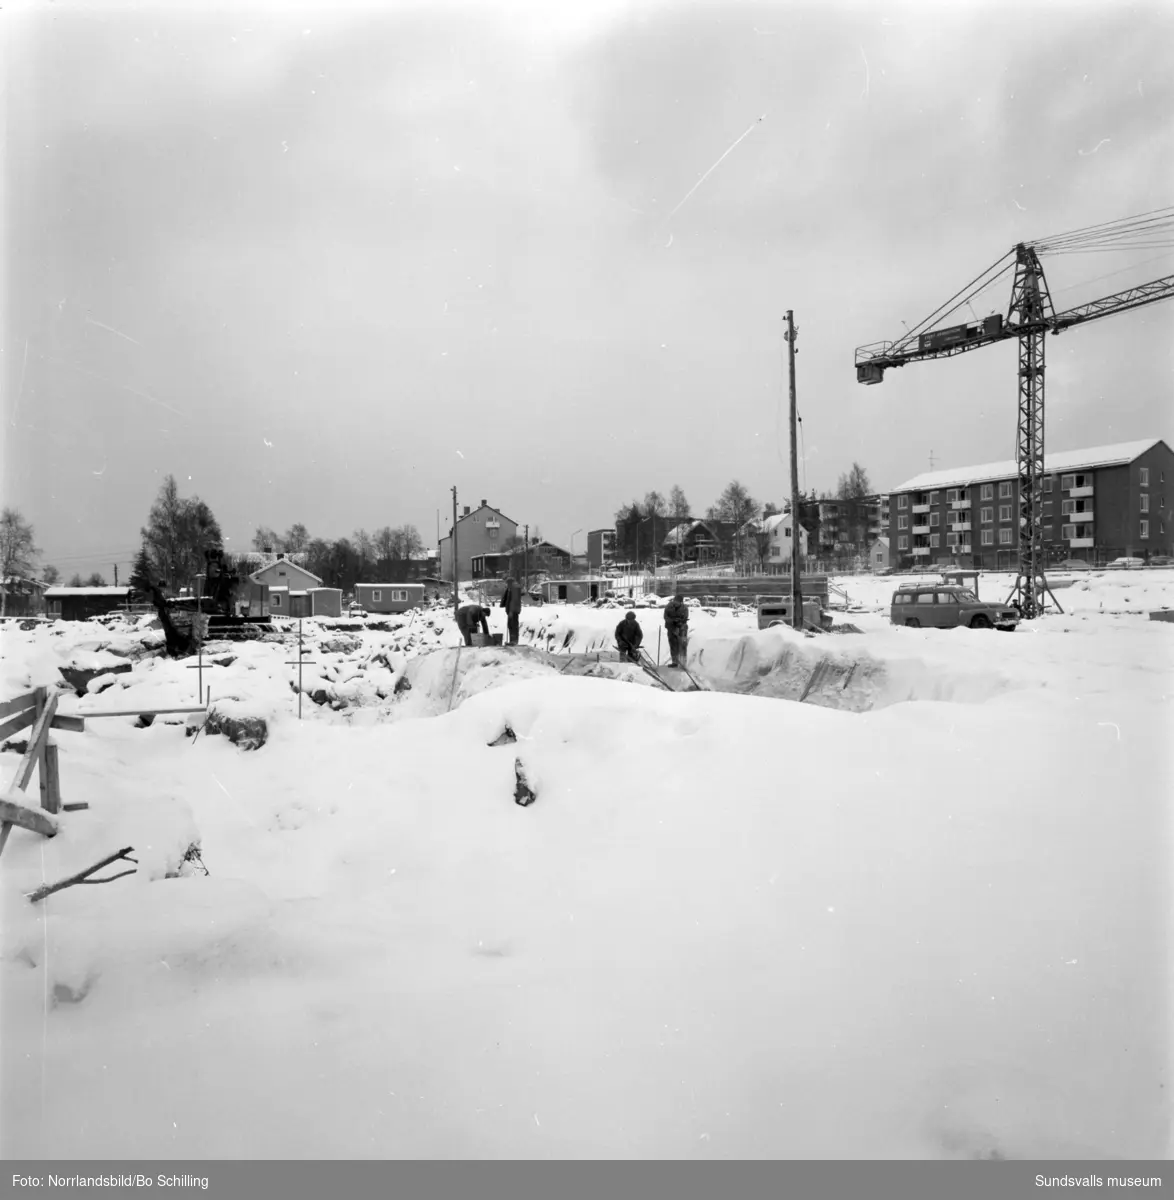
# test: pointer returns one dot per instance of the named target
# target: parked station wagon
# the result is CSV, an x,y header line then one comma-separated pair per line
x,y
941,606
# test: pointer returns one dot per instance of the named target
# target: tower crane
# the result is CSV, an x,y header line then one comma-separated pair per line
x,y
1030,315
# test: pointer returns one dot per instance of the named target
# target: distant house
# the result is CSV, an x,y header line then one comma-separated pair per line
x,y
482,533
23,597
879,554
270,589
389,597
701,542
776,530
79,604
571,591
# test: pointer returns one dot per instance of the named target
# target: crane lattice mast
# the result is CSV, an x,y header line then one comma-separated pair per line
x,y
1030,316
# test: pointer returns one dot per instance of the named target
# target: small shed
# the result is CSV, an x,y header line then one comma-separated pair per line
x,y
325,602
389,597
79,604
299,604
572,591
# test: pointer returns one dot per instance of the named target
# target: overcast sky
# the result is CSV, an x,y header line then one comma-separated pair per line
x,y
322,263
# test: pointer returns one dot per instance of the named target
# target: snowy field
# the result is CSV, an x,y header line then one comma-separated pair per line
x,y
924,913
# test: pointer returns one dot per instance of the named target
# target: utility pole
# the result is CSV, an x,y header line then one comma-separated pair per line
x,y
526,557
115,574
796,586
455,588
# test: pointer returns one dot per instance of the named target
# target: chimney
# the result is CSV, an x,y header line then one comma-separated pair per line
x,y
466,512
484,504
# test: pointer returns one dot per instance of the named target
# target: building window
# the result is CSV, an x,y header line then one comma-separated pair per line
x,y
953,495
1048,528
1048,484
1004,537
902,501
1145,477
1004,490
951,539
1145,530
1068,533
1067,506
987,515
933,497
1047,508
275,600
902,522
399,594
903,542
1004,512
934,540
1145,503
988,491
934,518
1067,482
376,597
988,537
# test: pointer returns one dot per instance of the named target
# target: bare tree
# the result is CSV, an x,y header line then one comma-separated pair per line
x,y
17,551
75,581
854,484
364,545
266,539
50,575
95,580
178,532
297,538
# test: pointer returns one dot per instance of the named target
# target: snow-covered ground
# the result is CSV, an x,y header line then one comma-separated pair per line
x,y
935,926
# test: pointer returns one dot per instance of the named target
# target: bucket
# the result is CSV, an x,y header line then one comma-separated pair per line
x,y
494,639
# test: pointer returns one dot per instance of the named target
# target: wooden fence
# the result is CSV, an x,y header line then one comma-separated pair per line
x,y
38,709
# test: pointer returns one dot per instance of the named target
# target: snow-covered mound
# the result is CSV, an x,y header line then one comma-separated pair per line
x,y
725,929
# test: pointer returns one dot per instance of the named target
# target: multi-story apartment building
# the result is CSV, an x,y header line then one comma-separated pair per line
x,y
1098,504
601,549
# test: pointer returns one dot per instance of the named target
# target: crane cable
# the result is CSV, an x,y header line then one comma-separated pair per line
x,y
965,293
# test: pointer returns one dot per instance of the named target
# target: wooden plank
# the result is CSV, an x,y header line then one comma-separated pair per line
x,y
51,773
27,818
139,712
74,724
21,702
24,772
16,724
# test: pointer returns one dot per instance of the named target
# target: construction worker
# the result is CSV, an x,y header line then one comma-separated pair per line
x,y
629,636
511,601
468,617
676,622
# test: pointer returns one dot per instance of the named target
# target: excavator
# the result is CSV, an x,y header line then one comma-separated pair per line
x,y
189,621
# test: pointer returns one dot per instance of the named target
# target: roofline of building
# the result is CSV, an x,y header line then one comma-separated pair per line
x,y
998,472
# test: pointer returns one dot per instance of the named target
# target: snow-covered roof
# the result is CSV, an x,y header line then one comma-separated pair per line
x,y
389,585
55,593
1065,460
283,562
16,580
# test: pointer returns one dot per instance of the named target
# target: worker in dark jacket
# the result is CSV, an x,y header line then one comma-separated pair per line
x,y
676,622
629,635
468,617
511,601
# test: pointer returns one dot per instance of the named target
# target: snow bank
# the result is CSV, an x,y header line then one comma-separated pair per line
x,y
725,929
